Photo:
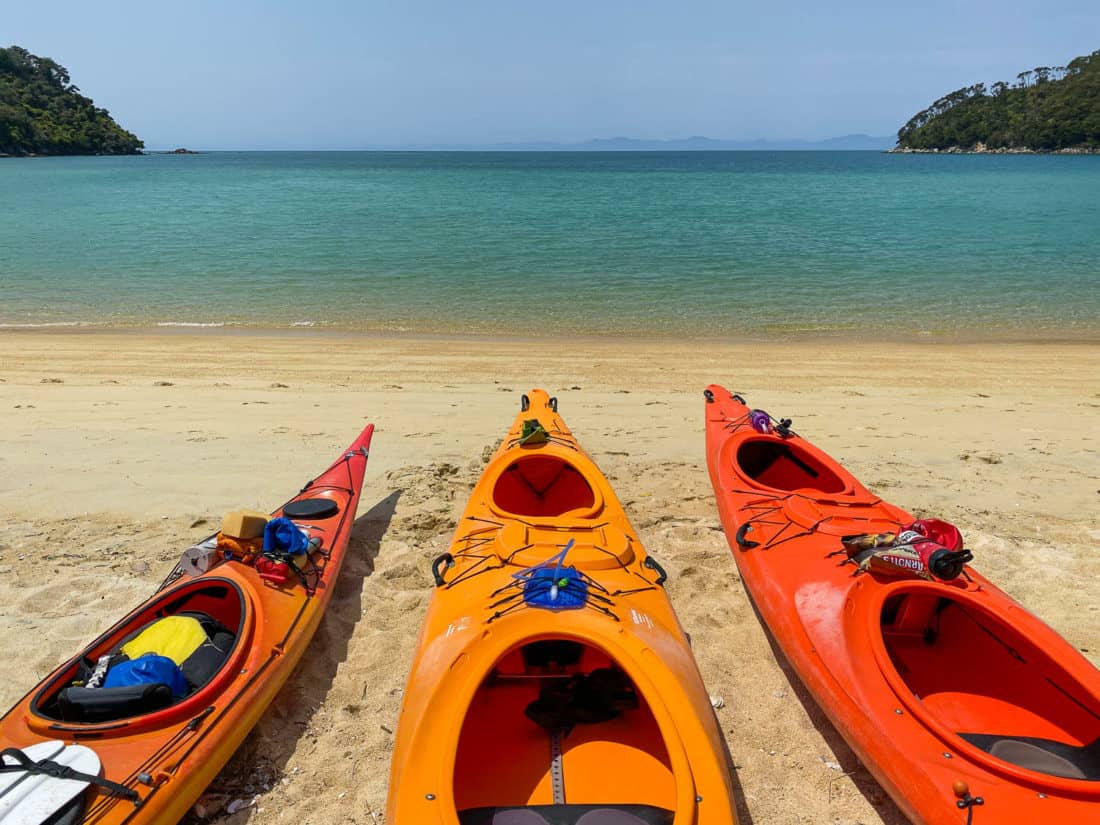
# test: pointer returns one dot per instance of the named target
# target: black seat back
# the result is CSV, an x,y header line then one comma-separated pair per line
x,y
81,704
567,815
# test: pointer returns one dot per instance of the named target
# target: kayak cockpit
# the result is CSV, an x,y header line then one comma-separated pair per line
x,y
786,465
981,680
542,486
168,655
558,733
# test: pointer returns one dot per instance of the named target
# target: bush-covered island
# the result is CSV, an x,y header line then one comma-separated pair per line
x,y
42,113
1046,110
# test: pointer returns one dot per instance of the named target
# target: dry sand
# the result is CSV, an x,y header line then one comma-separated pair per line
x,y
118,449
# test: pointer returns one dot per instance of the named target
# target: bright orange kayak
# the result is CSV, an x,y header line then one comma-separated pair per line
x,y
964,706
234,629
553,684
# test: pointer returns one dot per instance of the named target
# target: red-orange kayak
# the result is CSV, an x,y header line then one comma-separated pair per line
x,y
964,706
152,747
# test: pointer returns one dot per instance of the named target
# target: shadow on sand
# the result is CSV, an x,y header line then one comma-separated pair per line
x,y
850,764
744,815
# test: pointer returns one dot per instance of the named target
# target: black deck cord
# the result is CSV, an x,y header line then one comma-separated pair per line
x,y
100,807
58,771
968,802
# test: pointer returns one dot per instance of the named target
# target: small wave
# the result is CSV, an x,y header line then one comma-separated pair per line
x,y
46,324
304,324
190,323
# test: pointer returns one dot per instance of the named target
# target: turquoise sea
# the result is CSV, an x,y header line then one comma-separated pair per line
x,y
693,243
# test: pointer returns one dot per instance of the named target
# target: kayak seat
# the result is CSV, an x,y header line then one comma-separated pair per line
x,y
568,815
195,645
1042,755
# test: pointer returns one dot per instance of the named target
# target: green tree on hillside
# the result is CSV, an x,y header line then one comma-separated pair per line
x,y
43,113
1046,110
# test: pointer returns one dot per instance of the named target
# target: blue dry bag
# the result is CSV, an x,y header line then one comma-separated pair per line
x,y
281,535
149,669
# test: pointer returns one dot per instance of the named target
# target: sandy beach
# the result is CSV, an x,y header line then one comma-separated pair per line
x,y
118,449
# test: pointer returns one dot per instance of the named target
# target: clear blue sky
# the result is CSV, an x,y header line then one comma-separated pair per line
x,y
341,74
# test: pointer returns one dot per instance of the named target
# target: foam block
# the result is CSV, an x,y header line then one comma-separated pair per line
x,y
244,524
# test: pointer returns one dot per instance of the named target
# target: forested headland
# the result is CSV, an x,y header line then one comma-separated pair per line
x,y
43,113
1047,109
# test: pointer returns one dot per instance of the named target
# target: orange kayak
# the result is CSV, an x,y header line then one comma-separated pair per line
x,y
553,684
154,746
964,706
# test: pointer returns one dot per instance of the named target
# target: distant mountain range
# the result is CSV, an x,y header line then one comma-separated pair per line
x,y
691,144
697,143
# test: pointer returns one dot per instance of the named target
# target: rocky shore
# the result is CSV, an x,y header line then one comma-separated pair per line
x,y
982,149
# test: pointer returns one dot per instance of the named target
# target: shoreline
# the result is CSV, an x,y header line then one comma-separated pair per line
x,y
894,335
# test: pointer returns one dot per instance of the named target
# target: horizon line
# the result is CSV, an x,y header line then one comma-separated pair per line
x,y
615,144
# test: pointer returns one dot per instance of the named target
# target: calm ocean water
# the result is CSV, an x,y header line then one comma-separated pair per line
x,y
623,243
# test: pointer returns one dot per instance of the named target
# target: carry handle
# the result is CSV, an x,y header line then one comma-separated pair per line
x,y
525,403
446,559
742,542
655,565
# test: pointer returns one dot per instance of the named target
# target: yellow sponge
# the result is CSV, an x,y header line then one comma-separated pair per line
x,y
244,524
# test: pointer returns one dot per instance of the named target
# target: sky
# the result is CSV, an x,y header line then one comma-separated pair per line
x,y
340,74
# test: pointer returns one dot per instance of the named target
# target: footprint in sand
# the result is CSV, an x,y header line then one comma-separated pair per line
x,y
402,570
44,599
